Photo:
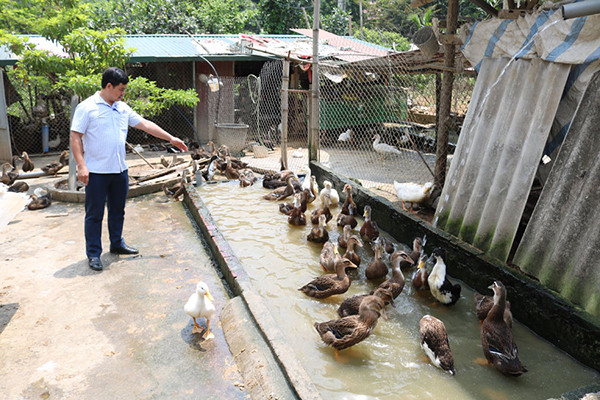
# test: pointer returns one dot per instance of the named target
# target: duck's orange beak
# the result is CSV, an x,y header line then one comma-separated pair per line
x,y
421,263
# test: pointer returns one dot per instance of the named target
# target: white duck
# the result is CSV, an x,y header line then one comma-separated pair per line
x,y
334,196
383,148
298,153
200,304
412,192
346,136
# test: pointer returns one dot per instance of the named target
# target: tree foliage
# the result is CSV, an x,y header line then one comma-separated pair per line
x,y
278,16
40,74
170,16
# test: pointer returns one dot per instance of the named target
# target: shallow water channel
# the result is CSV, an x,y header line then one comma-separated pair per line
x,y
389,364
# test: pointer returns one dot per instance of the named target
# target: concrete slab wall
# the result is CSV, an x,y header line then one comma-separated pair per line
x,y
499,150
561,245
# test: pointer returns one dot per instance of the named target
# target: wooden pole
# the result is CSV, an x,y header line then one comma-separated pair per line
x,y
313,139
446,98
360,11
285,83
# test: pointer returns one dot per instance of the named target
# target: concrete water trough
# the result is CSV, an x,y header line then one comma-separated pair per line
x,y
542,311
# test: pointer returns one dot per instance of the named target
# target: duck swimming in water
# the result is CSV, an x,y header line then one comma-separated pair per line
x,y
497,340
441,288
330,284
348,331
434,341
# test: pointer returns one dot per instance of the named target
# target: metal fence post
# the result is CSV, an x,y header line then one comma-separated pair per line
x,y
72,164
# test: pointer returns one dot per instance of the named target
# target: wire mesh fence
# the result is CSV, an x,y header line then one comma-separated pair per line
x,y
378,120
255,101
30,110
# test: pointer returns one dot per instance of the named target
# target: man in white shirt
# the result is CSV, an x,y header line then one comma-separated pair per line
x,y
98,134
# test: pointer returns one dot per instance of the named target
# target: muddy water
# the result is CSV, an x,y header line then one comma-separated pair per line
x,y
389,364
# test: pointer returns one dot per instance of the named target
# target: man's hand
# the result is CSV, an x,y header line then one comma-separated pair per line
x,y
179,144
83,174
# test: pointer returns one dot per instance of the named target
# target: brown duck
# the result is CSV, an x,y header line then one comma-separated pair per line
x,y
314,217
396,283
27,163
419,280
329,255
351,305
9,175
416,252
343,238
348,331
350,254
230,172
178,188
369,230
348,219
348,201
434,341
19,187
319,233
287,207
54,167
282,192
483,305
41,198
497,340
330,284
376,269
297,217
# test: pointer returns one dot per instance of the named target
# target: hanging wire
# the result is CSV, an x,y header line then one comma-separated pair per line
x,y
214,70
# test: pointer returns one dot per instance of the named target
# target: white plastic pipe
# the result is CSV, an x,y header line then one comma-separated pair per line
x,y
581,9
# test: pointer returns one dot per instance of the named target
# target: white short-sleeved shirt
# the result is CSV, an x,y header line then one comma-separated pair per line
x,y
104,130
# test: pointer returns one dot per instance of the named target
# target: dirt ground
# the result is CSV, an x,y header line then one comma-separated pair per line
x,y
67,332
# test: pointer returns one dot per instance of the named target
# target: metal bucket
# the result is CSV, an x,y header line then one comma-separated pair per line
x,y
232,135
426,41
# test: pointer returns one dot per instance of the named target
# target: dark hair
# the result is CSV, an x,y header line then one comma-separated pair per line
x,y
114,76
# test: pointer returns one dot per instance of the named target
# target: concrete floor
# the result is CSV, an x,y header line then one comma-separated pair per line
x,y
67,332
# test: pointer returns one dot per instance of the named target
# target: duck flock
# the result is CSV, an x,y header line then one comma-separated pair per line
x,y
11,179
358,315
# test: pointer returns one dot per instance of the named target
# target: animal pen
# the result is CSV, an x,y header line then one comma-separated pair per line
x,y
394,97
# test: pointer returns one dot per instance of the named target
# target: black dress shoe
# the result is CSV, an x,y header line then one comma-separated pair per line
x,y
95,263
124,249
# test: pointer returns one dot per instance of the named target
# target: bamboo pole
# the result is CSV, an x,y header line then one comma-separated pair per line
x,y
446,98
285,83
313,138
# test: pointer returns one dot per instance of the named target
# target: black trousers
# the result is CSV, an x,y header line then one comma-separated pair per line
x,y
110,190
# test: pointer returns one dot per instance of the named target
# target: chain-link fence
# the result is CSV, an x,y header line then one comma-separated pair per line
x,y
31,112
378,119
256,101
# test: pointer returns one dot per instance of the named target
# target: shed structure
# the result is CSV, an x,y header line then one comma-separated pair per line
x,y
532,73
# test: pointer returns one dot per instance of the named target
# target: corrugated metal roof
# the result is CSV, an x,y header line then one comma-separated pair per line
x,y
561,244
154,48
499,150
171,47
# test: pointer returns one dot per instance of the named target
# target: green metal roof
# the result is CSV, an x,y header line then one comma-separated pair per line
x,y
157,48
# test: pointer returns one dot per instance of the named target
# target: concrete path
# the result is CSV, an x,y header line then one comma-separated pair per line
x,y
67,332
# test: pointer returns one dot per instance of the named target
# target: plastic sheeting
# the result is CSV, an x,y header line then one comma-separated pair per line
x,y
561,244
499,150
